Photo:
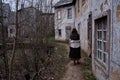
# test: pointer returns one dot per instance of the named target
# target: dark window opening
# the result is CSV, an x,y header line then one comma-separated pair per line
x,y
59,32
69,13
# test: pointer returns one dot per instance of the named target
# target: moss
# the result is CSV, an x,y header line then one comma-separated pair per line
x,y
52,40
87,68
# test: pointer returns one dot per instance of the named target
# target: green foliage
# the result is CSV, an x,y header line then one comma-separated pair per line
x,y
87,68
52,40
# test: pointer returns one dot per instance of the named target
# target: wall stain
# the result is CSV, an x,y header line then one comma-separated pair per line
x,y
118,13
101,7
115,75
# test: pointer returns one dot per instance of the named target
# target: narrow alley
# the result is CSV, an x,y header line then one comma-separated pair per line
x,y
81,71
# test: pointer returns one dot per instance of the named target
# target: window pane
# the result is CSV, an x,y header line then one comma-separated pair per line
x,y
69,15
104,57
105,24
100,55
104,46
100,35
100,45
99,26
104,35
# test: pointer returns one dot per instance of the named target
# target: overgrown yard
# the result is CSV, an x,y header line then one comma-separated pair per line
x,y
60,61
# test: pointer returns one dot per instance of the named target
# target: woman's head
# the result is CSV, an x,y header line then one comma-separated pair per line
x,y
74,34
74,31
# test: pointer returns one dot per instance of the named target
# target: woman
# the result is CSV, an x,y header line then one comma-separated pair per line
x,y
74,46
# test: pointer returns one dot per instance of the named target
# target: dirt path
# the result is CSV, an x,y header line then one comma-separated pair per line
x,y
73,72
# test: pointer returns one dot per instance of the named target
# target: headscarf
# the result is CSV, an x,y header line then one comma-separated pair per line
x,y
74,35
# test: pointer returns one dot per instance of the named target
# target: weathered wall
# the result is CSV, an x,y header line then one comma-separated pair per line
x,y
101,8
81,23
63,22
115,41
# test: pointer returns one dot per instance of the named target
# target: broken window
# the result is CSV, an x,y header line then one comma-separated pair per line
x,y
69,13
101,39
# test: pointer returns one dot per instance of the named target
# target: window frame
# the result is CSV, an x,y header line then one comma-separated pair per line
x,y
100,53
69,13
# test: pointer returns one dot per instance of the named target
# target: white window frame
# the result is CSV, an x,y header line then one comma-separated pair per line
x,y
69,13
101,40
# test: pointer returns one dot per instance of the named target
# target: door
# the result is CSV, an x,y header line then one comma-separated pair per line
x,y
90,34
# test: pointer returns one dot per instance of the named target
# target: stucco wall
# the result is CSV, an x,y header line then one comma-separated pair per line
x,y
63,22
81,23
115,39
101,8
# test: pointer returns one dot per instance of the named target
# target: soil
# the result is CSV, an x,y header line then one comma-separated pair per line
x,y
73,72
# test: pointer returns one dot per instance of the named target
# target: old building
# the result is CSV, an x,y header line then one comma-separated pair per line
x,y
98,23
83,19
106,39
4,19
30,19
64,19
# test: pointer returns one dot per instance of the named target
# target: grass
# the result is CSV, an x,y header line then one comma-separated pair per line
x,y
61,61
87,68
83,54
52,40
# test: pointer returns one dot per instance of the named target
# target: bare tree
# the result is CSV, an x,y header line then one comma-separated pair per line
x,y
38,44
14,45
5,59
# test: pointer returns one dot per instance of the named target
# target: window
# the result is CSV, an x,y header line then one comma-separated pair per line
x,y
101,39
59,32
11,31
83,2
69,14
59,15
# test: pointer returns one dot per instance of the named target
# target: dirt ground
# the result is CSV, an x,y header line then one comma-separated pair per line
x,y
73,72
